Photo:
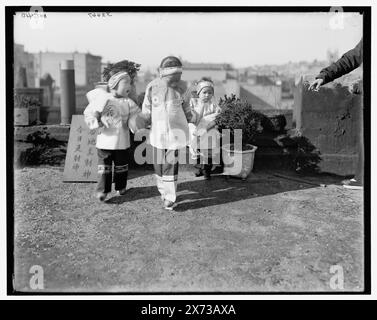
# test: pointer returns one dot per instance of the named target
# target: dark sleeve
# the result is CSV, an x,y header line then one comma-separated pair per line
x,y
348,62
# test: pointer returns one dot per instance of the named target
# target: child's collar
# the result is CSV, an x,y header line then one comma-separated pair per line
x,y
119,97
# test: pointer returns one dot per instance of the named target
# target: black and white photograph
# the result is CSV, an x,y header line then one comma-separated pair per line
x,y
188,150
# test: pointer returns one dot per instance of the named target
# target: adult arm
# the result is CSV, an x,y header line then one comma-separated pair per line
x,y
347,63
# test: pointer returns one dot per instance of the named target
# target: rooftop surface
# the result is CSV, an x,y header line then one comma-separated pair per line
x,y
263,235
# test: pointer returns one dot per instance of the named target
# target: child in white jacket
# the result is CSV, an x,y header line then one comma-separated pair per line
x,y
166,107
205,139
109,112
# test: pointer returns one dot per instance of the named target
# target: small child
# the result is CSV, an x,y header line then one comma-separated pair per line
x,y
110,112
166,107
205,142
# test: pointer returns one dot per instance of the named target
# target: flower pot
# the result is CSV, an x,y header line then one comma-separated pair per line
x,y
238,163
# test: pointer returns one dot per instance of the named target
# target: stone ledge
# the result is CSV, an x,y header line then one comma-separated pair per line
x,y
57,132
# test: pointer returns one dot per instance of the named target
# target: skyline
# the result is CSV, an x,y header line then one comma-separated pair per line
x,y
242,39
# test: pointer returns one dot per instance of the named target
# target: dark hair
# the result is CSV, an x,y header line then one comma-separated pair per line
x,y
205,79
170,61
128,66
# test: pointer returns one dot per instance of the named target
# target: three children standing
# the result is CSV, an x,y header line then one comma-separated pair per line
x,y
168,109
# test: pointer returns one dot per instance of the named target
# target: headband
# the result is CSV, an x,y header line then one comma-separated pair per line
x,y
114,79
202,84
170,70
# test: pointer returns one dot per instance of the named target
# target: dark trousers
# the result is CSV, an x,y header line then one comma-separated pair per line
x,y
106,158
204,164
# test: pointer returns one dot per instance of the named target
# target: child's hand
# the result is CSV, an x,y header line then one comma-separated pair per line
x,y
142,132
104,122
199,132
97,115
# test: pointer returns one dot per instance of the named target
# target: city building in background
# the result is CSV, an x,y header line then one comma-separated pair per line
x,y
215,71
42,69
87,66
265,87
23,67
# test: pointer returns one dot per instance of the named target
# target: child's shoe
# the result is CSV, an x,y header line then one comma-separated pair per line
x,y
352,184
207,171
122,192
101,196
198,172
168,205
207,175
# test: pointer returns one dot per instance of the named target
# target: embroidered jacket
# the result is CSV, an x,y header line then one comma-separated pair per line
x,y
166,108
116,112
205,112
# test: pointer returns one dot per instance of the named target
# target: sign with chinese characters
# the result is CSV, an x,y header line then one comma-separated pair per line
x,y
81,158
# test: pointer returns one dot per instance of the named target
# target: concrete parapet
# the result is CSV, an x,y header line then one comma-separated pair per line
x,y
57,132
330,120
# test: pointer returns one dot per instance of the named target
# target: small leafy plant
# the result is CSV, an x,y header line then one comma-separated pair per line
x,y
238,114
25,101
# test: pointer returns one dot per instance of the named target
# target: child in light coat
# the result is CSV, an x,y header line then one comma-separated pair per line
x,y
205,138
166,107
109,112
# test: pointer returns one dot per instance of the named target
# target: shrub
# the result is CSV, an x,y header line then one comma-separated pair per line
x,y
275,123
45,150
25,101
238,114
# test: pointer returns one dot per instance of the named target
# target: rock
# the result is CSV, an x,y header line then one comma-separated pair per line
x,y
21,151
57,132
274,123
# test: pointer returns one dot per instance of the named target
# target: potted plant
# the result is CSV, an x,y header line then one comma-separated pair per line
x,y
238,157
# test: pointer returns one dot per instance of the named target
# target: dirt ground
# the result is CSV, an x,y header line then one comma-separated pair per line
x,y
265,234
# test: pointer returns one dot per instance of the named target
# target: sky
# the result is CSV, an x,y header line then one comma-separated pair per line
x,y
243,39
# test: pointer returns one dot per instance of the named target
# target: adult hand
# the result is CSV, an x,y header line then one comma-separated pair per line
x,y
315,85
357,87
